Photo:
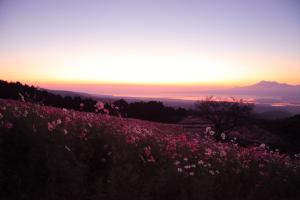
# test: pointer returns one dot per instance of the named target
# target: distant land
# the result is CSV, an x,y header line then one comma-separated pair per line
x,y
268,96
266,91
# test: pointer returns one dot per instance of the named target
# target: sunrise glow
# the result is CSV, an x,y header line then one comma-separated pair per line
x,y
166,45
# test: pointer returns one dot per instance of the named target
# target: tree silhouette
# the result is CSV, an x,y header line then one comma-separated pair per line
x,y
225,116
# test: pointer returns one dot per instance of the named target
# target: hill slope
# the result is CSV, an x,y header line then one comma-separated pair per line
x,y
52,153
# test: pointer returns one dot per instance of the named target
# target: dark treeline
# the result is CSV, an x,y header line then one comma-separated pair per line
x,y
18,91
288,129
152,111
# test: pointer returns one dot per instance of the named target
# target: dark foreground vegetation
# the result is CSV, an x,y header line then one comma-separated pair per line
x,y
288,129
50,153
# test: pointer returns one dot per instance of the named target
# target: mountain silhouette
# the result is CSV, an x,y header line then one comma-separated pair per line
x,y
271,85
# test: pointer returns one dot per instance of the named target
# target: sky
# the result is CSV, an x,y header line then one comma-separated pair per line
x,y
206,43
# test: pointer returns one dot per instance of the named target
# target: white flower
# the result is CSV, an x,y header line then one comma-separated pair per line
x,y
25,113
211,172
262,146
200,162
223,136
208,129
177,162
1,116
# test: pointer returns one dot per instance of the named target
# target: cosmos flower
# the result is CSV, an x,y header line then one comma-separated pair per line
x,y
208,129
177,162
99,106
208,151
262,146
211,172
223,136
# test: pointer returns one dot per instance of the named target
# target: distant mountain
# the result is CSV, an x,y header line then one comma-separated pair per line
x,y
270,89
270,85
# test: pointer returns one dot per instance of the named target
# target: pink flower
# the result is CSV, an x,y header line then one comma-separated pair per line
x,y
208,152
58,121
223,153
151,159
50,126
106,111
99,106
147,151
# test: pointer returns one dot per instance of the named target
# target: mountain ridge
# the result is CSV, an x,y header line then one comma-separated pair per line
x,y
270,84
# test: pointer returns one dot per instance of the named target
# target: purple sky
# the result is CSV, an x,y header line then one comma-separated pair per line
x,y
228,42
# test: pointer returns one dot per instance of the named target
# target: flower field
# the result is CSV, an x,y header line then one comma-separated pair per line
x,y
52,153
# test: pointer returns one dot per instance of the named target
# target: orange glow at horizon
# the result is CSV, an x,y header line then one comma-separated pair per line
x,y
142,67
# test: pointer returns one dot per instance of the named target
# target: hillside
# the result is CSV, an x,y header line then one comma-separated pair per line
x,y
53,153
150,110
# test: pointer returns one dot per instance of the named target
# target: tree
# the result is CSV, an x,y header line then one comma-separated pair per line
x,y
224,115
